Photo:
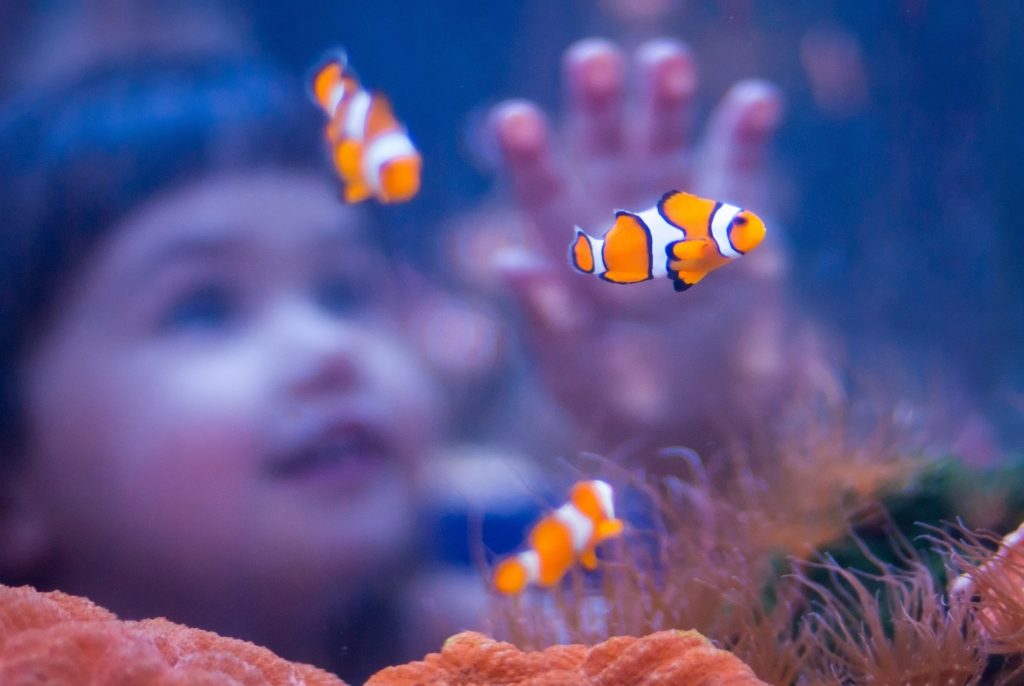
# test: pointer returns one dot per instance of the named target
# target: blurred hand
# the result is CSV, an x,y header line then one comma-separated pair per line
x,y
640,361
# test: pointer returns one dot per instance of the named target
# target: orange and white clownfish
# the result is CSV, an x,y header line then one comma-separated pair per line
x,y
372,151
556,542
683,237
1009,556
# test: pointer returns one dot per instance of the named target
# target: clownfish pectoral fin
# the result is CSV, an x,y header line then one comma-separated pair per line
x,y
356,192
609,528
685,279
588,558
348,158
689,250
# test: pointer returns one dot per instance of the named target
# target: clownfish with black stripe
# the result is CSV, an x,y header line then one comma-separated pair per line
x,y
683,237
569,534
372,152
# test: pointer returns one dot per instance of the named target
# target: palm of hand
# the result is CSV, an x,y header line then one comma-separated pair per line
x,y
642,360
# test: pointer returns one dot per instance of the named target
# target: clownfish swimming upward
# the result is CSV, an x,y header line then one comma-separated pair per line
x,y
683,237
372,151
556,542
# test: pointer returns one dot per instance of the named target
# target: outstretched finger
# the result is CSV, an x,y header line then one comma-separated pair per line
x,y
594,76
734,151
543,189
664,107
522,133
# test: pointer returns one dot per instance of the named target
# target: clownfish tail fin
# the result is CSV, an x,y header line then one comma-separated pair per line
x,y
327,73
583,253
510,577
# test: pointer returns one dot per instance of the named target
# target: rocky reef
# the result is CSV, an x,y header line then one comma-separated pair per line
x,y
682,658
63,640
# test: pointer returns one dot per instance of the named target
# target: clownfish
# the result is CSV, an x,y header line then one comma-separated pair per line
x,y
556,542
1009,555
683,237
371,150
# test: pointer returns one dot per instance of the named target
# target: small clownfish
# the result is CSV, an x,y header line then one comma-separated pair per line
x,y
683,237
372,151
568,534
1009,555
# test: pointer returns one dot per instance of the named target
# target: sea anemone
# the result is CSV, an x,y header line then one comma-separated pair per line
x,y
737,550
707,546
991,582
891,625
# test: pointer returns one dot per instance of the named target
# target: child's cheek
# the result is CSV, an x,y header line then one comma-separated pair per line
x,y
144,457
414,400
186,452
201,414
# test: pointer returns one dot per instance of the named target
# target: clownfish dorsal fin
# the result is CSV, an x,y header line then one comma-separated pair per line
x,y
668,195
348,157
689,212
677,196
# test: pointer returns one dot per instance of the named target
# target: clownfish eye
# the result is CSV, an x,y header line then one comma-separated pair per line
x,y
208,306
746,231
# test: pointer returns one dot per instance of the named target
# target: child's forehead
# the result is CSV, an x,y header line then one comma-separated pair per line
x,y
280,212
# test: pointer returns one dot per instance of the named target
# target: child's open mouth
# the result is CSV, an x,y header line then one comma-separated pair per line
x,y
339,455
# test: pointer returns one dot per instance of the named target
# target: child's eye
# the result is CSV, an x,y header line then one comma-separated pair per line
x,y
209,306
339,296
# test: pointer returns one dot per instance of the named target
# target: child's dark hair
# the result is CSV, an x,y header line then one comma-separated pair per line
x,y
76,158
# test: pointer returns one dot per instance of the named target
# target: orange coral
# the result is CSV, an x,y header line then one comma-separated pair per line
x,y
682,658
56,639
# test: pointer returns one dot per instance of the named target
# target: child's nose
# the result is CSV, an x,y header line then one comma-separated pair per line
x,y
319,351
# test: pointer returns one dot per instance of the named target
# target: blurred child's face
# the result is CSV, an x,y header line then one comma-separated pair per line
x,y
221,395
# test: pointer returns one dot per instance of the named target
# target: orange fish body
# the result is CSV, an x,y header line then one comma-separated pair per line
x,y
371,150
683,237
569,534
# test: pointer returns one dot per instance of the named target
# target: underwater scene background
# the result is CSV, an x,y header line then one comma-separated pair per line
x,y
244,389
